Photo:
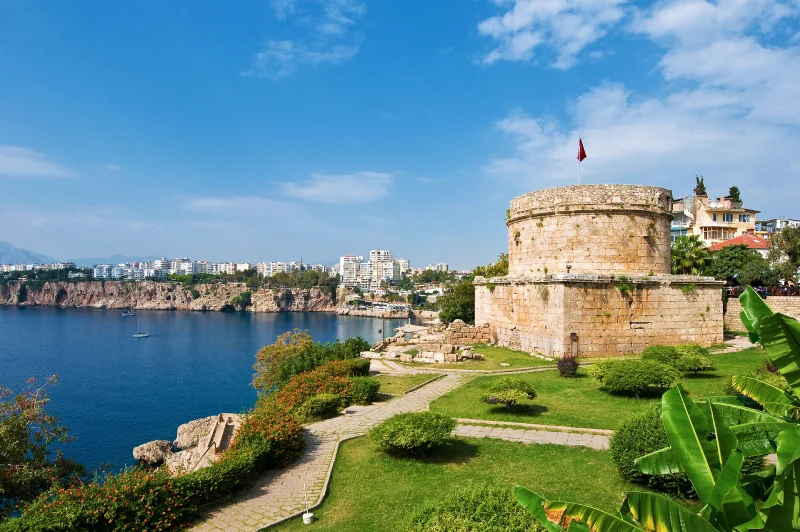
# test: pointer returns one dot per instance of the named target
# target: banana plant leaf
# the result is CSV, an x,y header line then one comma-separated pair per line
x,y
753,309
758,484
661,514
759,439
788,448
760,391
780,336
787,411
555,515
739,414
661,462
687,432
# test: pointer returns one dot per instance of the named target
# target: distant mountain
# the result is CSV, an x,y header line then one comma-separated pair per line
x,y
85,262
11,255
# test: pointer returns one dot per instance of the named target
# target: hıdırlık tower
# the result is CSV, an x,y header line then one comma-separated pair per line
x,y
589,271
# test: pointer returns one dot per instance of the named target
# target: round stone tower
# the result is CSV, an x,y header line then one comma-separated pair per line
x,y
597,229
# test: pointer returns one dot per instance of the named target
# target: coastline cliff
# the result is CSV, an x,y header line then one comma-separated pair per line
x,y
166,296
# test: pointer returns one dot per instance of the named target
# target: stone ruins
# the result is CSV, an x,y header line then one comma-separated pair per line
x,y
589,273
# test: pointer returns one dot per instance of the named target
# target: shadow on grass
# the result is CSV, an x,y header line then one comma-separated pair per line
x,y
381,397
526,410
701,376
454,451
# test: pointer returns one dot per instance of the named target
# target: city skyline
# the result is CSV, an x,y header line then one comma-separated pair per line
x,y
220,130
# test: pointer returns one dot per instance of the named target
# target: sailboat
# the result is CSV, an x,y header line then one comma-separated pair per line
x,y
139,333
128,312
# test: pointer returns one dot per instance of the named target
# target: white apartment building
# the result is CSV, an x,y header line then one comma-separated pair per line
x,y
441,267
244,266
380,255
101,271
776,225
349,270
161,264
404,266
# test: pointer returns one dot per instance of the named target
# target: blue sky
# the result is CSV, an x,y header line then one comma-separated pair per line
x,y
269,130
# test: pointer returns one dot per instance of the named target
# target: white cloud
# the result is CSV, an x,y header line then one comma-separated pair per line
x,y
112,167
17,161
329,38
279,59
729,114
240,206
359,187
564,26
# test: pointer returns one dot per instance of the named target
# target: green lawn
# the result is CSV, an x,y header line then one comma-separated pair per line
x,y
577,402
495,357
397,384
371,491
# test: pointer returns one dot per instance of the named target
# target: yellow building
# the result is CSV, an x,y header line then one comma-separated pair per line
x,y
713,221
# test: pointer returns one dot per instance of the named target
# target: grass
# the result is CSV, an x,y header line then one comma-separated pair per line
x,y
374,492
577,402
495,357
397,384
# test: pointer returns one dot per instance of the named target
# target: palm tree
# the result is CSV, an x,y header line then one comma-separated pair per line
x,y
689,255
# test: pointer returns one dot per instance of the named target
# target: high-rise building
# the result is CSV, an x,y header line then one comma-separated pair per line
x,y
349,269
404,266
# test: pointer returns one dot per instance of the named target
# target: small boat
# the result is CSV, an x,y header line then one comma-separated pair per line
x,y
139,333
128,312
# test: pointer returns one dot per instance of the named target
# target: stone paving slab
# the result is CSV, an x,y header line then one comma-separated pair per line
x,y
278,495
570,439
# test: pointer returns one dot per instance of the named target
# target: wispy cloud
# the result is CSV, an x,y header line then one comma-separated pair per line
x,y
359,187
112,167
279,59
328,37
24,162
564,26
240,206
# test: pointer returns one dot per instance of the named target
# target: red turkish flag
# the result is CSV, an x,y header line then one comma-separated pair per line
x,y
581,151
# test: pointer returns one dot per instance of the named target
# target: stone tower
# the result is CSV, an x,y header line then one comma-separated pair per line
x,y
589,270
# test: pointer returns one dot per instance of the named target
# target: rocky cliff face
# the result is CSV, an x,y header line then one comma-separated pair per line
x,y
167,296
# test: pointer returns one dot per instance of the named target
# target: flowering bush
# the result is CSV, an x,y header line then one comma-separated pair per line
x,y
136,499
333,377
273,423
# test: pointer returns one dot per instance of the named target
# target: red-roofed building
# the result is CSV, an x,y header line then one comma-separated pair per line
x,y
757,243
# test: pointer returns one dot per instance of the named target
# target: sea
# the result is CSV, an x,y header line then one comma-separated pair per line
x,y
116,392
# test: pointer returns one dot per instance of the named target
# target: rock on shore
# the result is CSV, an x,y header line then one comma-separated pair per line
x,y
153,452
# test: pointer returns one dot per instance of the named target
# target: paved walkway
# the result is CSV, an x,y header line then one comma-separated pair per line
x,y
278,495
570,439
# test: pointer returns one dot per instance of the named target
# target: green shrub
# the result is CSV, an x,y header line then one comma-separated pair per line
x,y
359,367
294,353
694,364
692,349
413,433
320,406
664,354
773,378
365,390
644,433
633,377
231,472
473,508
509,391
195,293
598,370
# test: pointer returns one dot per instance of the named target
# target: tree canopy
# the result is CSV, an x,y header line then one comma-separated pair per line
x,y
496,269
689,255
785,253
458,304
742,264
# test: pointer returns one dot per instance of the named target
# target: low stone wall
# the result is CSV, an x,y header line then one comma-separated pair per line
x,y
459,333
789,305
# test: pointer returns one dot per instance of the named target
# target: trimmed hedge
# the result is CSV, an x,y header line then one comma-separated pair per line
x,y
509,391
359,367
365,390
633,377
320,406
694,364
413,433
665,354
472,508
643,434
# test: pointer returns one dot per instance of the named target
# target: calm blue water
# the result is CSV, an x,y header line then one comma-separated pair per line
x,y
117,392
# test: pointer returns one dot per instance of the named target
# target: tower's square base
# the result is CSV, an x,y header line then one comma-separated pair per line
x,y
600,315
